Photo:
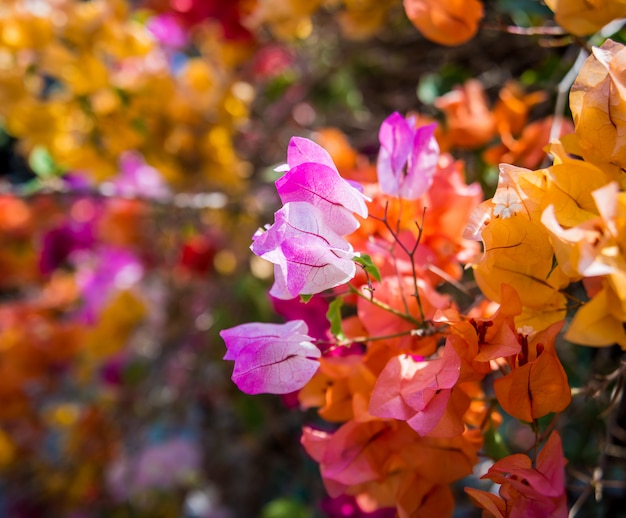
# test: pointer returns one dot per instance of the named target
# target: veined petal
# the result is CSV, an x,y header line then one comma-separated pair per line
x,y
422,164
408,157
322,186
271,358
310,257
302,151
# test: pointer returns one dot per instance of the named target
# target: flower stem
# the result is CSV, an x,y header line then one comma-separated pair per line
x,y
386,307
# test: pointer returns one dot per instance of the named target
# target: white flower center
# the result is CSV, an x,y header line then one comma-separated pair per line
x,y
507,202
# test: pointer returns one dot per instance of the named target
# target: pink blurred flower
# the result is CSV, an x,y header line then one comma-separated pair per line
x,y
345,506
104,271
228,16
167,30
158,467
138,179
58,244
271,61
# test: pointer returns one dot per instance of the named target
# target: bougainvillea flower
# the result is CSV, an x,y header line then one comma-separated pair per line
x,y
598,104
480,340
590,250
385,463
346,506
600,321
408,157
309,257
581,17
419,392
313,178
138,179
448,22
521,143
518,253
58,243
101,274
469,122
271,358
512,109
571,187
304,151
517,248
537,383
527,491
348,456
528,150
167,30
313,313
510,198
341,389
398,293
578,249
157,467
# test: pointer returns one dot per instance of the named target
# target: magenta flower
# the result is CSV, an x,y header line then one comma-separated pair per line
x,y
408,157
271,358
138,179
346,506
167,30
308,255
313,313
102,272
58,243
312,177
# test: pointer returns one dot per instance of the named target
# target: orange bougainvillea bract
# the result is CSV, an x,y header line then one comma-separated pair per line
x,y
448,22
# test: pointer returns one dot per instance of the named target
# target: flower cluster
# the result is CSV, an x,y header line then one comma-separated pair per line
x,y
307,247
425,325
306,242
547,228
402,373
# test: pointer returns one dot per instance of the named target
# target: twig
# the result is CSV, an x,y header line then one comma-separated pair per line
x,y
386,307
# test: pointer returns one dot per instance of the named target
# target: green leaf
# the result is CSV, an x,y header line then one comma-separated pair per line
x,y
429,88
368,265
285,508
305,298
42,163
494,444
134,373
334,317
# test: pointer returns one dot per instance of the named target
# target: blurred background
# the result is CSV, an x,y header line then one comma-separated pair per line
x,y
137,146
